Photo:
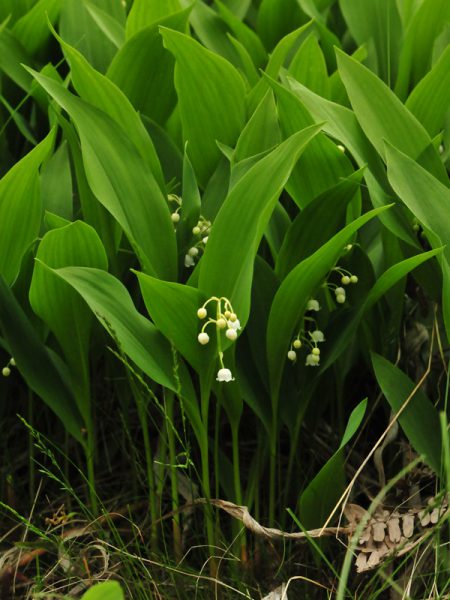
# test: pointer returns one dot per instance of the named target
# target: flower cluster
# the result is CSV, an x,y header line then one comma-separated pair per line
x,y
224,319
6,371
346,279
201,231
311,341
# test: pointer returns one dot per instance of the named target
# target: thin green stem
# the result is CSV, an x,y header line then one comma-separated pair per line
x,y
169,396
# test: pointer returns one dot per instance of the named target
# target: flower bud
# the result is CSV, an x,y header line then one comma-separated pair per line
x,y
354,279
297,344
341,148
221,323
292,355
313,305
193,251
12,362
227,314
201,313
6,371
233,317
315,351
205,239
175,217
196,230
203,338
340,298
231,334
345,279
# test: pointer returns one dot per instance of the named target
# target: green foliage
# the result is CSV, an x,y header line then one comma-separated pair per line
x,y
202,201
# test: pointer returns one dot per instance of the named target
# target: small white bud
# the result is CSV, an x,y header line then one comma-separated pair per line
x,y
227,314
231,334
6,371
345,279
201,313
315,351
193,251
441,149
188,261
348,247
205,239
292,355
354,279
196,230
341,147
203,338
313,305
339,291
233,317
221,323
175,217
297,344
340,298
12,362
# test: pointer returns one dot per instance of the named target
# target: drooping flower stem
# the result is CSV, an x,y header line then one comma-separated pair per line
x,y
169,403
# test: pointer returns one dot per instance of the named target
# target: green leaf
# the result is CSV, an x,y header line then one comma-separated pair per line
x,y
376,24
21,208
37,364
154,95
428,199
275,22
293,294
261,131
419,420
12,56
348,329
323,492
79,29
309,67
135,335
322,165
148,12
211,100
32,29
99,91
111,27
59,306
122,182
382,116
415,58
227,264
341,123
56,184
429,101
322,217
107,590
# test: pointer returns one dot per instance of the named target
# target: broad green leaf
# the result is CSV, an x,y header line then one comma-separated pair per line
x,y
376,24
420,419
348,328
382,116
244,34
32,29
147,12
99,91
37,364
246,66
239,7
323,492
429,101
227,265
261,131
59,306
211,100
173,308
293,294
79,29
135,335
322,165
14,9
108,590
56,184
190,208
417,47
111,27
153,95
428,199
309,68
321,218
12,56
275,21
122,182
21,208
341,123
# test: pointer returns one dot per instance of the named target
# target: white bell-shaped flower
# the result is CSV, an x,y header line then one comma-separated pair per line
x,y
224,375
312,360
317,336
313,305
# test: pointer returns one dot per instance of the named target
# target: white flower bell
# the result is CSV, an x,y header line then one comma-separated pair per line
x,y
188,261
224,375
312,360
313,305
317,336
